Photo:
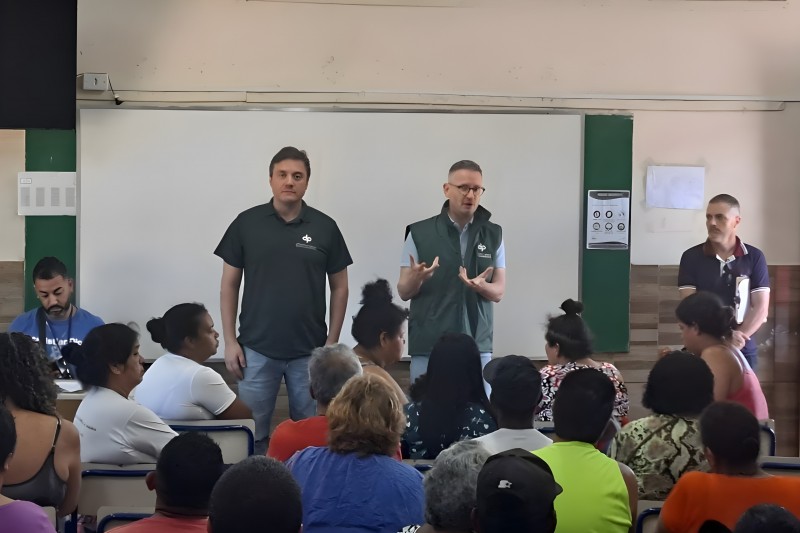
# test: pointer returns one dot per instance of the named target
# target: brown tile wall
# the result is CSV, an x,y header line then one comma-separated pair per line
x,y
654,296
12,277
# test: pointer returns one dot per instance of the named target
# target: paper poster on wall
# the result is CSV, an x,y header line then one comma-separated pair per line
x,y
675,187
608,220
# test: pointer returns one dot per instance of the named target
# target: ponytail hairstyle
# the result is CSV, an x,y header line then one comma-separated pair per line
x,y
569,332
106,345
180,322
377,315
706,311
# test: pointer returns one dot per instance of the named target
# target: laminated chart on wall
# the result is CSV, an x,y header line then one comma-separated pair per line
x,y
46,193
675,187
608,220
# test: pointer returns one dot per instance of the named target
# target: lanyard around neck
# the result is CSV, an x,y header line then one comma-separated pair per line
x,y
69,329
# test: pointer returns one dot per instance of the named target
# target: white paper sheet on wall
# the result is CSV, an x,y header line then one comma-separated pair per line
x,y
675,187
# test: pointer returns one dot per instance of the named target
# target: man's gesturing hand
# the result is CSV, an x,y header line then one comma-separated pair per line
x,y
421,271
476,283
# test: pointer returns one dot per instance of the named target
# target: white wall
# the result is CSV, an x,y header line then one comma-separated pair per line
x,y
505,47
753,156
529,48
142,211
12,226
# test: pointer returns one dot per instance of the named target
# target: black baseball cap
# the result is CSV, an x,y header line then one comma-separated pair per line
x,y
516,383
516,491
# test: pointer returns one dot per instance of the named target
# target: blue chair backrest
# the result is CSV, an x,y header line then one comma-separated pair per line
x,y
645,523
214,431
768,440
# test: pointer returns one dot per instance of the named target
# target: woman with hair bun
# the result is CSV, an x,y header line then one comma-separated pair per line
x,y
569,347
705,325
113,428
177,386
379,330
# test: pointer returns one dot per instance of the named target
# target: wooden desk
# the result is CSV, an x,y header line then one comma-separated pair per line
x,y
67,403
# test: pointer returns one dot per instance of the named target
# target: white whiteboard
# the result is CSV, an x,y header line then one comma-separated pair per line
x,y
159,187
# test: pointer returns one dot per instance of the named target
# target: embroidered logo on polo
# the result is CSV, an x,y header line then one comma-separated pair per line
x,y
481,249
305,244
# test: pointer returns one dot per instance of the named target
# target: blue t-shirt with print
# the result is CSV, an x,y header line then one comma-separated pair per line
x,y
58,333
346,492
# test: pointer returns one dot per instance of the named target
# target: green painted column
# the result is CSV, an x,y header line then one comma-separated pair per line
x,y
49,151
605,274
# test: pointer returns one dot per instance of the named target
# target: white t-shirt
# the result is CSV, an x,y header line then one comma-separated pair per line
x,y
116,430
177,388
508,439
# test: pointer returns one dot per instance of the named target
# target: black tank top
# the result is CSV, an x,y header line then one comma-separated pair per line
x,y
45,488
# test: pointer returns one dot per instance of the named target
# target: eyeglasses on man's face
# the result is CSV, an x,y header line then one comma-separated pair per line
x,y
466,189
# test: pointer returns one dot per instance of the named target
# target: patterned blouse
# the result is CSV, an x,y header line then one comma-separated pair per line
x,y
551,380
475,422
660,449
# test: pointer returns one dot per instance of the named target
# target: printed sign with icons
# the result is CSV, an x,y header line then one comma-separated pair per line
x,y
608,220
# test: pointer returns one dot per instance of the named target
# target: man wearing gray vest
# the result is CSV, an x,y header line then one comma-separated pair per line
x,y
453,269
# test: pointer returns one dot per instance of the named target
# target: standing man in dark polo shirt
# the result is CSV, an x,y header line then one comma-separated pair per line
x,y
453,270
720,263
286,250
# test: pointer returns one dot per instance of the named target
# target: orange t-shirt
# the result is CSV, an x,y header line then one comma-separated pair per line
x,y
698,496
290,436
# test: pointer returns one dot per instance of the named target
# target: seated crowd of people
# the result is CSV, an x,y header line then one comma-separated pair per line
x,y
358,464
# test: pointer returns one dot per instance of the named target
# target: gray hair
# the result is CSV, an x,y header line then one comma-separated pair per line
x,y
450,485
329,369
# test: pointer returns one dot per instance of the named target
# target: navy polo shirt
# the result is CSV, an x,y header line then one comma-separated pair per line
x,y
701,269
286,265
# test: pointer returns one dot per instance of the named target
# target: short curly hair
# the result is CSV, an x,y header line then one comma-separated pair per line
x,y
680,383
366,417
24,375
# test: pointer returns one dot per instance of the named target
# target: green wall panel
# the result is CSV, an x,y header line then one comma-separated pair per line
x,y
605,274
48,151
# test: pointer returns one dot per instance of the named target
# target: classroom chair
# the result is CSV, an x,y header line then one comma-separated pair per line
x,y
236,438
781,466
422,465
113,485
647,521
51,515
110,517
768,439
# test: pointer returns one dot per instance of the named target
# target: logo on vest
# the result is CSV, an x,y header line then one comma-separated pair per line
x,y
482,248
305,244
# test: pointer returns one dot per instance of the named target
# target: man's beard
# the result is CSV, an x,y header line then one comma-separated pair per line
x,y
57,309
